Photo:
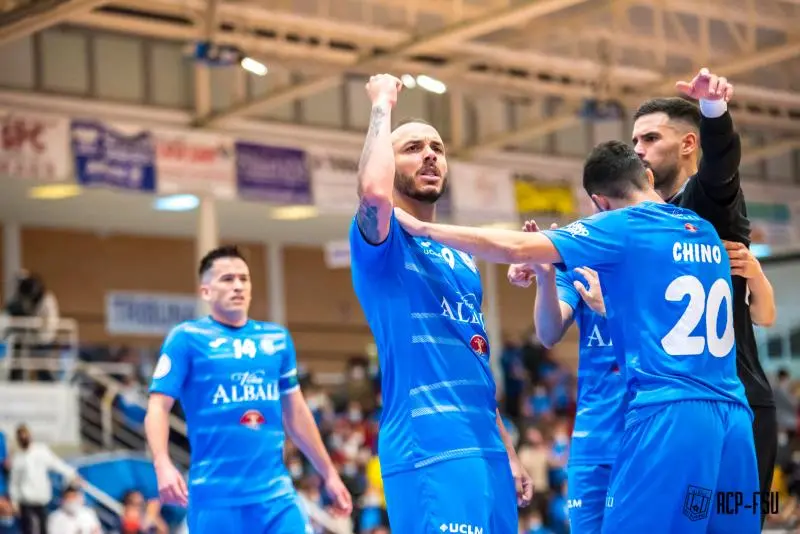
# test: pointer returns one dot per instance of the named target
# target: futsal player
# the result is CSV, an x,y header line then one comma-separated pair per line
x,y
236,379
668,302
669,134
561,299
448,465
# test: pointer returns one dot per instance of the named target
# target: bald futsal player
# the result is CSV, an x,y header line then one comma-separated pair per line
x,y
448,464
236,380
669,134
668,301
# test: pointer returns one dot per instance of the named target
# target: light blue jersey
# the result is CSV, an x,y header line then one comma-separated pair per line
x,y
688,436
423,304
438,426
667,284
600,418
229,382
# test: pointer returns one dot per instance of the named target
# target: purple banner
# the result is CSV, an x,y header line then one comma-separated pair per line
x,y
109,156
273,174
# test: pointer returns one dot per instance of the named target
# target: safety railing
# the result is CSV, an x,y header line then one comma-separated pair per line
x,y
114,430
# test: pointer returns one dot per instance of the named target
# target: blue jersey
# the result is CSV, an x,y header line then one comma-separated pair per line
x,y
423,304
600,419
668,301
229,382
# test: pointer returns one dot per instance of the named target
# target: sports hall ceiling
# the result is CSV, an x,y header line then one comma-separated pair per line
x,y
573,49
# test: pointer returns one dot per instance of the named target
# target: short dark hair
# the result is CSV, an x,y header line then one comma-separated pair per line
x,y
225,251
614,170
70,489
675,108
410,120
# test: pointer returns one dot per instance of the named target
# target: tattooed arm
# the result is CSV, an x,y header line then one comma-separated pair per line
x,y
376,166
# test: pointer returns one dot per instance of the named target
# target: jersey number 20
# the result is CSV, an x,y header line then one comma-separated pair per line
x,y
680,341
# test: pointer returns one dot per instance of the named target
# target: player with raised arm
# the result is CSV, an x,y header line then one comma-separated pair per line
x,y
236,380
448,464
561,299
669,134
668,303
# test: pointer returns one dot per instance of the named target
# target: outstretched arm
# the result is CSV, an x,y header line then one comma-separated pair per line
x,y
498,246
376,167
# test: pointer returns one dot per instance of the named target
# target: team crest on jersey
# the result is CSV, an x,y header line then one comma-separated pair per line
x,y
272,343
163,367
577,229
479,345
252,419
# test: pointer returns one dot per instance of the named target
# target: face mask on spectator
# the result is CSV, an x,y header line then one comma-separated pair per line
x,y
349,469
296,470
357,373
355,415
71,507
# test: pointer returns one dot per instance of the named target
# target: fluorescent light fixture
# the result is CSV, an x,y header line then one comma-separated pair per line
x,y
294,213
256,67
431,84
760,250
54,191
176,203
409,81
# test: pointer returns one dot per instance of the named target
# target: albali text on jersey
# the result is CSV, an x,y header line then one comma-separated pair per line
x,y
229,382
423,304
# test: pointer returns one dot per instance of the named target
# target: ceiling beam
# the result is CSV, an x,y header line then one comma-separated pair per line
x,y
665,85
38,16
456,33
771,150
580,72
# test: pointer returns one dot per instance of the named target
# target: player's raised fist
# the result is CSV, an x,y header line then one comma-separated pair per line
x,y
706,86
384,88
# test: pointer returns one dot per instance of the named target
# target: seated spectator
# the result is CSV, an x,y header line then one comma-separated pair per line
x,y
140,516
33,299
558,513
73,516
530,522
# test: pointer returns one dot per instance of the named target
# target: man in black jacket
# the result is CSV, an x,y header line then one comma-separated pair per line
x,y
668,134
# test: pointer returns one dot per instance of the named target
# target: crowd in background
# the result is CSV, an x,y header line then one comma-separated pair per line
x,y
537,403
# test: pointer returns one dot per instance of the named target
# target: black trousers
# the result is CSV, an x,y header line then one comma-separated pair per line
x,y
33,519
765,433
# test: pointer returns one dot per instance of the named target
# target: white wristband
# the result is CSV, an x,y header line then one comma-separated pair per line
x,y
713,109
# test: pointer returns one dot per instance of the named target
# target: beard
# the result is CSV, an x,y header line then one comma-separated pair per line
x,y
405,184
664,178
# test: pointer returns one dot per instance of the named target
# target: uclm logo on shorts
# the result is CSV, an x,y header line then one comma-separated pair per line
x,y
460,528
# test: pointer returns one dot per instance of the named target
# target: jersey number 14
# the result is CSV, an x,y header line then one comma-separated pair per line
x,y
680,341
244,348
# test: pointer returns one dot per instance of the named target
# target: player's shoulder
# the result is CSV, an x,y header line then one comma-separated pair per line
x,y
191,328
267,327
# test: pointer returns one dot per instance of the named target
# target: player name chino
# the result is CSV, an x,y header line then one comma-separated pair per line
x,y
696,253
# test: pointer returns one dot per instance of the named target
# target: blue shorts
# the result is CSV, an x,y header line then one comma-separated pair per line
x,y
474,495
280,516
587,487
672,466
